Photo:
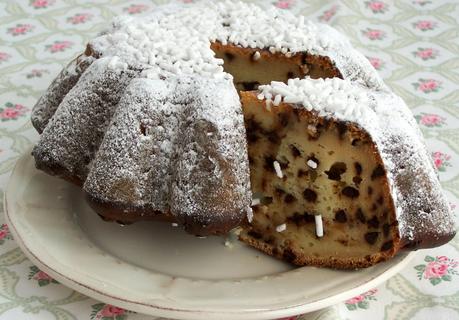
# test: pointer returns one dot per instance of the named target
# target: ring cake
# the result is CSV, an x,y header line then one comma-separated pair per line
x,y
218,115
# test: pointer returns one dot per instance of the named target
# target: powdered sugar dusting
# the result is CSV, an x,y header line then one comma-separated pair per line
x,y
168,157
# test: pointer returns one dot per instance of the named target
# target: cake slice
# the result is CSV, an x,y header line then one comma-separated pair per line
x,y
333,169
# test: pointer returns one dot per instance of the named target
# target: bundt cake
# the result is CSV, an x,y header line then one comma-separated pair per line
x,y
217,115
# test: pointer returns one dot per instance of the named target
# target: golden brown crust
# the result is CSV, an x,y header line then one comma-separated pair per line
x,y
290,254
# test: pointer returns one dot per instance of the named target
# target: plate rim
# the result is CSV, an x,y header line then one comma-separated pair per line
x,y
183,313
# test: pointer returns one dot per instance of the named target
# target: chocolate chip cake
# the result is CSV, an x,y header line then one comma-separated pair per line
x,y
222,114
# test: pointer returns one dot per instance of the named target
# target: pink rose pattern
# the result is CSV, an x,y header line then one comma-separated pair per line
x,y
41,277
430,120
4,56
376,6
374,34
361,301
441,160
426,53
427,85
20,29
328,14
4,233
59,46
41,4
102,311
79,18
437,269
377,63
136,8
12,111
424,25
284,4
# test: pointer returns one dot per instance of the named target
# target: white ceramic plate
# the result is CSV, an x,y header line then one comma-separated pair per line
x,y
159,270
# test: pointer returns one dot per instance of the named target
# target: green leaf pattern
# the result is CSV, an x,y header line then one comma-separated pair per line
x,y
414,44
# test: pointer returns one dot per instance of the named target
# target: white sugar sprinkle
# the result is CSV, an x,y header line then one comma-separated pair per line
x,y
281,227
249,215
174,224
278,169
319,226
256,56
312,164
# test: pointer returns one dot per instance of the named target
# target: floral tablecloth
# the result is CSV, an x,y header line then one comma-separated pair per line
x,y
413,43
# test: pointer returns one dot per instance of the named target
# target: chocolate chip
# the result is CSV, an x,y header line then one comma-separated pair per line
x,y
290,75
254,234
371,237
359,214
283,119
279,192
357,180
301,173
387,245
301,219
380,200
358,168
336,170
340,216
350,192
250,86
251,160
378,172
295,152
225,24
373,222
310,195
273,137
270,240
289,255
386,229
229,56
370,191
252,137
342,128
269,160
252,128
355,142
289,198
283,165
